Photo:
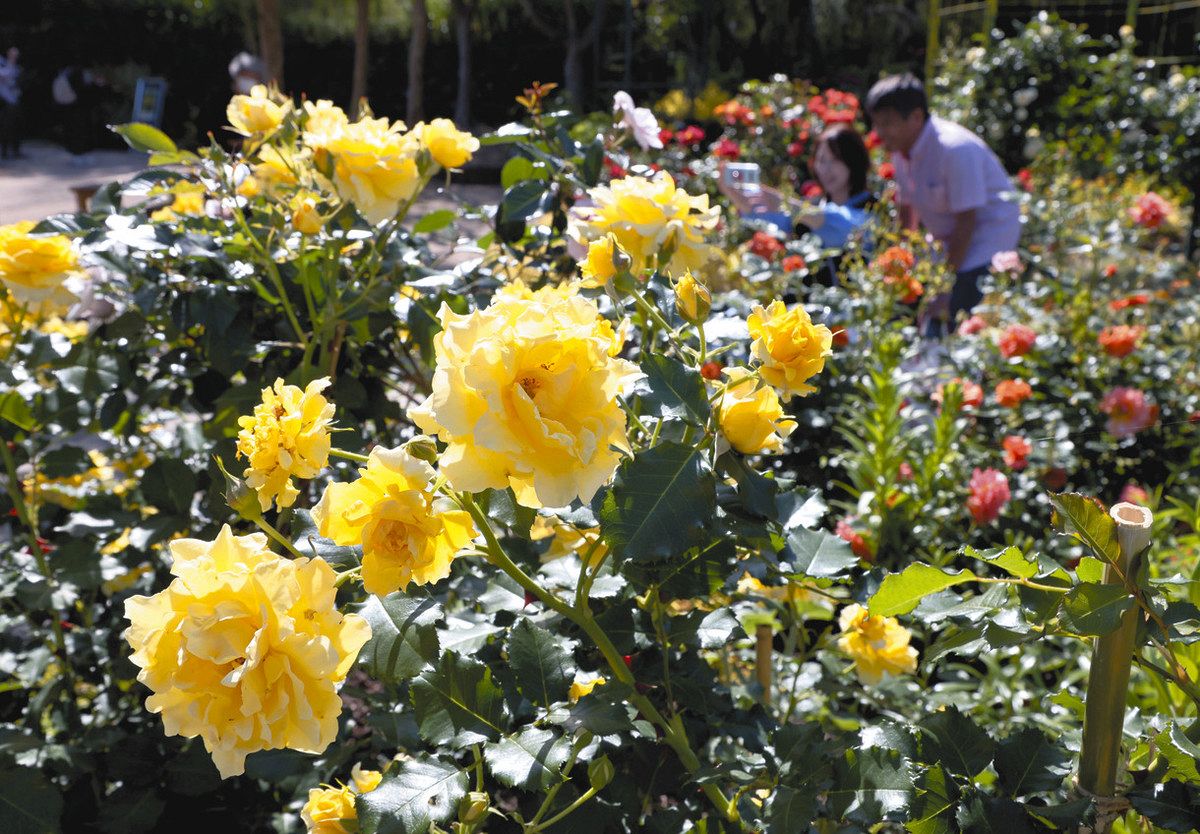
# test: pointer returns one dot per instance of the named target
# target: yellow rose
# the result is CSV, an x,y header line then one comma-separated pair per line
x,y
790,347
255,113
34,267
72,330
449,146
187,202
322,120
692,299
600,266
364,781
649,216
567,540
279,167
374,165
580,687
878,645
305,217
751,416
525,395
327,807
408,534
248,187
286,437
244,648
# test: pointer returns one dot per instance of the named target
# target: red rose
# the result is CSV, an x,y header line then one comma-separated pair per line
x,y
1150,210
887,170
793,263
1016,451
726,148
1010,393
972,394
1120,341
1016,340
989,495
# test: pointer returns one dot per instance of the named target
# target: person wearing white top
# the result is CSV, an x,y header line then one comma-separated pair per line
x,y
950,181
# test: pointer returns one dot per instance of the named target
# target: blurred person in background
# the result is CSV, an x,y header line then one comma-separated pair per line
x,y
245,71
10,104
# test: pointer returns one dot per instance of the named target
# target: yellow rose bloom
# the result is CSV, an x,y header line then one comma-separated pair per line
x,y
449,146
408,533
327,808
580,687
255,113
692,299
525,395
248,187
790,347
278,167
751,416
364,781
374,165
244,648
286,437
648,216
599,267
34,267
878,645
305,217
322,120
187,202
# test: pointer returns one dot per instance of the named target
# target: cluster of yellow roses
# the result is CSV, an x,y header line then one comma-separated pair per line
x,y
376,164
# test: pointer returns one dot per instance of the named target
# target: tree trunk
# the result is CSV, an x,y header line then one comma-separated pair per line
x,y
362,45
416,63
270,39
572,65
463,9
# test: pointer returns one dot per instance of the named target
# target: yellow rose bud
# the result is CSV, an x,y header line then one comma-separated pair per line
x,y
449,146
305,217
604,259
692,299
878,645
365,781
580,688
255,113
790,348
473,808
751,416
327,808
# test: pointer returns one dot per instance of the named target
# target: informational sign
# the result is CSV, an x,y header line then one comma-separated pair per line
x,y
148,99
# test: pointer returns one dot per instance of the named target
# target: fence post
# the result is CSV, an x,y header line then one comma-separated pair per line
x,y
989,18
931,40
1131,13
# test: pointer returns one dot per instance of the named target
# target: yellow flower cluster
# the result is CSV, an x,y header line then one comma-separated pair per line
x,y
525,395
257,113
244,649
34,267
751,415
649,216
790,348
286,437
408,534
328,808
878,645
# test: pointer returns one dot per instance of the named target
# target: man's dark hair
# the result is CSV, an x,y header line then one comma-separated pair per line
x,y
847,145
902,93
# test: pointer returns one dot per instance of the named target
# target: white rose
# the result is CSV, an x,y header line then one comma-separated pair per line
x,y
639,121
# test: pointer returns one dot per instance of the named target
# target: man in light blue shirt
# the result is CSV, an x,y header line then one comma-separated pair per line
x,y
950,181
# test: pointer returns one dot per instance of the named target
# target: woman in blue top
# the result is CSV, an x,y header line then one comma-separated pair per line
x,y
841,164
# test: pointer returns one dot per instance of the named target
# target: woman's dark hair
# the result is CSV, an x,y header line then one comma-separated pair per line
x,y
847,145
902,93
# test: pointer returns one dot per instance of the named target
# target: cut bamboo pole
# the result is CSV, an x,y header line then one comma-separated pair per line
x,y
763,636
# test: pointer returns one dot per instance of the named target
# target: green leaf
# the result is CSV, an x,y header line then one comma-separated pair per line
x,y
29,802
1172,805
531,760
659,503
144,137
709,630
1008,559
457,703
791,810
1090,569
993,815
541,663
1095,609
933,809
899,593
1181,753
516,169
522,201
758,493
169,483
674,390
1078,515
403,636
15,410
598,716
311,543
421,793
951,738
131,811
434,221
817,553
1028,762
870,785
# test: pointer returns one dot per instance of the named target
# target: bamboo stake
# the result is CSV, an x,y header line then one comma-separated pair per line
x,y
762,660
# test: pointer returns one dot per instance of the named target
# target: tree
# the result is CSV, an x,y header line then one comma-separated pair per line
x,y
463,10
270,39
577,42
417,42
362,44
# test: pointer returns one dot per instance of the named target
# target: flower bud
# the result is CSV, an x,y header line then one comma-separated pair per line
x,y
473,808
305,217
692,299
241,499
600,772
423,448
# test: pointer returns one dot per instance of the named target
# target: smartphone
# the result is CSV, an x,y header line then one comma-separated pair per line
x,y
744,176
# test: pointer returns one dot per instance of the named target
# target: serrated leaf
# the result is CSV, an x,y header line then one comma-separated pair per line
x,y
659,503
531,760
993,815
15,410
1009,559
799,509
671,389
598,716
1079,516
933,809
1095,609
29,802
1028,762
817,553
953,739
541,663
899,593
418,795
1172,805
457,703
870,785
144,137
710,630
1181,754
403,636
791,809
434,221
